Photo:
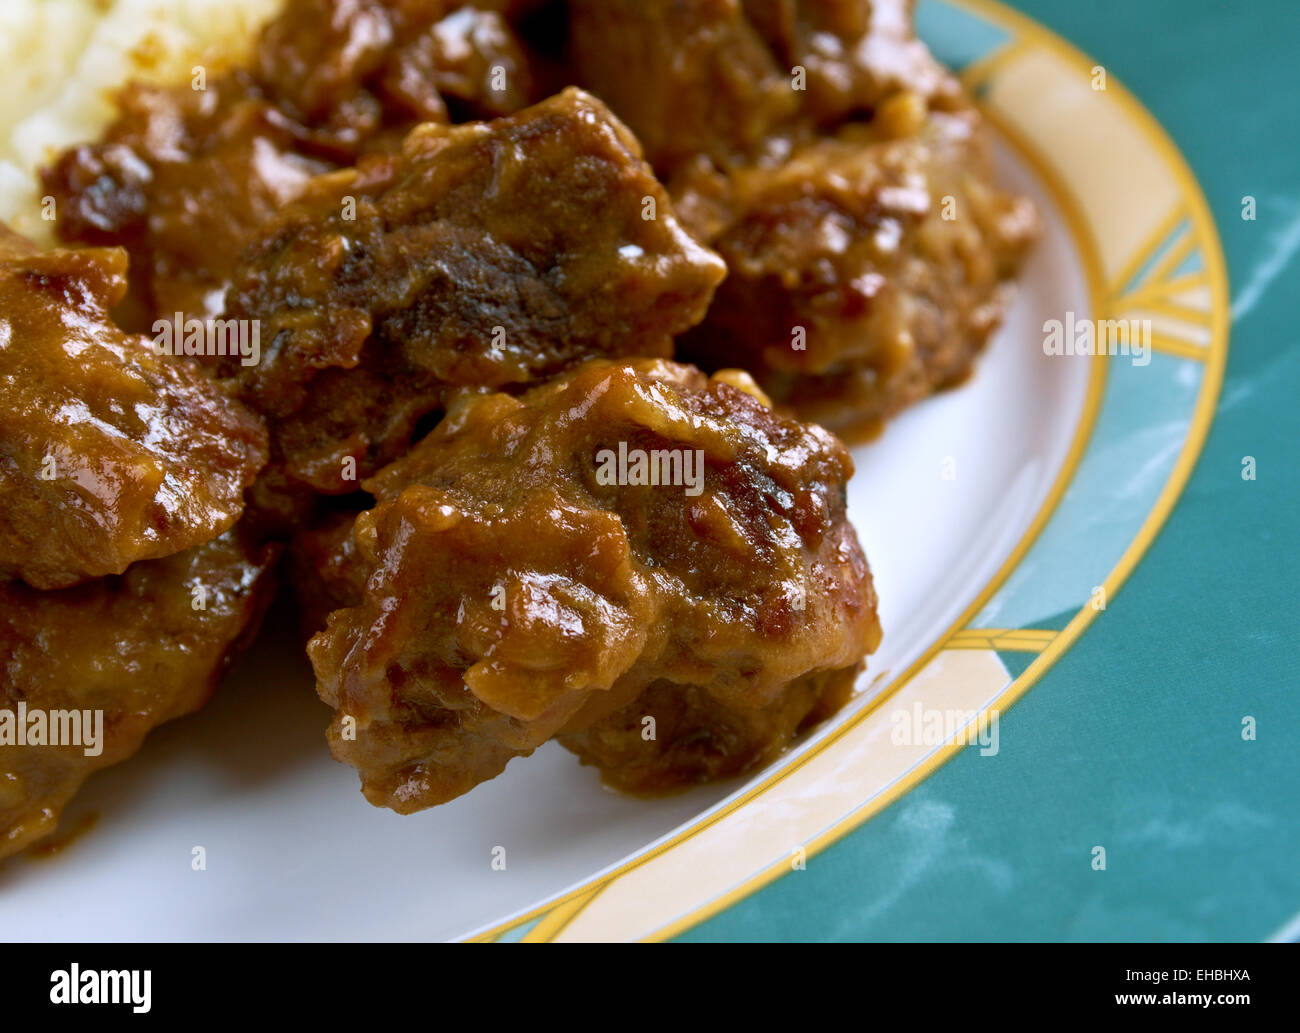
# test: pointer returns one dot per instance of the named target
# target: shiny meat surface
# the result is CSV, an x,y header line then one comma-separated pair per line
x,y
842,175
538,562
352,66
142,648
109,452
720,77
188,173
866,270
485,255
182,180
686,77
855,53
698,737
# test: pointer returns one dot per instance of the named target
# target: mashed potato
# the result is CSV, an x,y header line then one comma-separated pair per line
x,y
64,59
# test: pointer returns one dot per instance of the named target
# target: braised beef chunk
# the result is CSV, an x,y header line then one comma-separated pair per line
x,y
687,78
187,173
484,256
839,171
853,54
472,59
537,563
143,648
865,271
353,65
722,77
109,452
698,737
182,181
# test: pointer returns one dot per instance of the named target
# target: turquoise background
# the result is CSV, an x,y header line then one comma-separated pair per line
x,y
1133,740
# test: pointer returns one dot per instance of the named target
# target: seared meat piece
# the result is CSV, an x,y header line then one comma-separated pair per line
x,y
854,53
719,77
470,57
687,78
699,738
866,270
109,452
485,255
142,649
182,179
351,65
838,169
537,563
186,175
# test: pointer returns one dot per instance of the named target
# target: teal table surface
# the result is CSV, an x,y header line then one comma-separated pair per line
x,y
1134,739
